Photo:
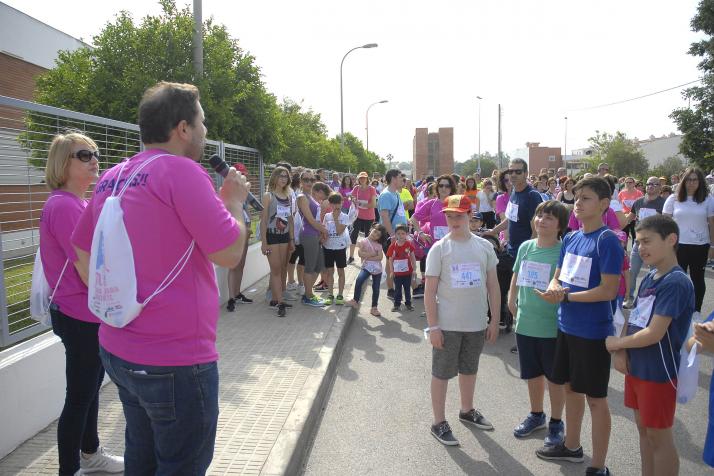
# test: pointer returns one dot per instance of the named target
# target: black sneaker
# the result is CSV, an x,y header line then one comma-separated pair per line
x,y
560,452
395,308
418,292
287,304
514,349
350,260
242,299
597,471
390,294
273,303
442,432
409,307
231,305
475,418
281,310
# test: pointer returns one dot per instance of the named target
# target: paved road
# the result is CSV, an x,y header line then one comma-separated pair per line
x,y
376,420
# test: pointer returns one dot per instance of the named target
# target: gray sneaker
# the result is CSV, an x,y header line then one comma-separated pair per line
x,y
442,432
475,418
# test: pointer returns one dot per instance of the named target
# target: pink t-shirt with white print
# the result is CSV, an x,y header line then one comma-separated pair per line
x,y
57,221
171,202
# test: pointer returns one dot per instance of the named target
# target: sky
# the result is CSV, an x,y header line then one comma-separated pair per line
x,y
541,60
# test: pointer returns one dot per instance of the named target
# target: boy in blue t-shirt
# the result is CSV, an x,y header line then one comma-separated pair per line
x,y
658,324
704,336
589,270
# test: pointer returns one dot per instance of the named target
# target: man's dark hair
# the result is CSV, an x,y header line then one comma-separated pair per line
x,y
597,184
163,107
661,224
285,164
612,182
321,187
391,173
335,198
401,227
520,161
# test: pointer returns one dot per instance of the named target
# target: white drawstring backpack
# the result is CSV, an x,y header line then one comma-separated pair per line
x,y
41,295
112,277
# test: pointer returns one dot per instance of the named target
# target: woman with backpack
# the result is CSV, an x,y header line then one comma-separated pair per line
x,y
72,166
276,232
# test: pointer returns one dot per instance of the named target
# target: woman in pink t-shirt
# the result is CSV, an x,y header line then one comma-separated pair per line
x,y
72,166
364,196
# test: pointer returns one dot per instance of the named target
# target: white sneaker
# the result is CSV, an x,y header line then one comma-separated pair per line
x,y
100,461
79,472
301,290
292,286
287,296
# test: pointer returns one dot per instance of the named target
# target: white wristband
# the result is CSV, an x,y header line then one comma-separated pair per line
x,y
429,329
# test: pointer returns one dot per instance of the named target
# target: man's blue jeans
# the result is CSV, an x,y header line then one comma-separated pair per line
x,y
635,266
171,415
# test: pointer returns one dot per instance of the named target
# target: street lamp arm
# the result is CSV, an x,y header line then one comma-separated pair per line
x,y
342,114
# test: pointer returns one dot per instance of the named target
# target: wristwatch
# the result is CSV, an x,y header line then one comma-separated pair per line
x,y
565,297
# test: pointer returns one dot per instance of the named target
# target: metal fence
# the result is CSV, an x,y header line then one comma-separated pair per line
x,y
26,132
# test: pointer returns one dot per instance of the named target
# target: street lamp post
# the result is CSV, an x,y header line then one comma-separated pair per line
x,y
367,119
342,113
479,133
565,146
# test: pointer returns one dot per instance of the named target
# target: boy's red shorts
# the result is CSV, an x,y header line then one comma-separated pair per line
x,y
656,401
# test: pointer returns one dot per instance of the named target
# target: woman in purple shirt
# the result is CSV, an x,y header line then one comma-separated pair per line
x,y
312,233
72,166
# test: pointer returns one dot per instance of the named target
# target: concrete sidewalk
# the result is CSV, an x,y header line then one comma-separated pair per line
x,y
274,374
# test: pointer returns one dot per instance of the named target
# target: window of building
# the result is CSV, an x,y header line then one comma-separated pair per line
x,y
551,158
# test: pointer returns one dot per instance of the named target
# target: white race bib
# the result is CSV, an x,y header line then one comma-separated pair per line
x,y
283,212
576,270
400,209
534,275
512,211
373,267
401,265
628,203
646,212
640,315
440,232
465,275
616,206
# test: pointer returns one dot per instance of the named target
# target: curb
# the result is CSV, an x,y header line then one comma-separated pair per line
x,y
289,451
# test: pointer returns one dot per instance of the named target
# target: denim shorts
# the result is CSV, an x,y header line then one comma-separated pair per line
x,y
460,355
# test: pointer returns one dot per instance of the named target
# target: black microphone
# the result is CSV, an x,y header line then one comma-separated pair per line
x,y
221,168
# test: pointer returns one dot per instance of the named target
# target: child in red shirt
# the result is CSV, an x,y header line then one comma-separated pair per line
x,y
400,257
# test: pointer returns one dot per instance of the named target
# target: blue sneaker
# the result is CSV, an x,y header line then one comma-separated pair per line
x,y
556,434
529,425
314,301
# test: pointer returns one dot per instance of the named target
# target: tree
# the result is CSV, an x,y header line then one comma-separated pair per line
x,y
670,166
470,166
110,79
622,154
697,122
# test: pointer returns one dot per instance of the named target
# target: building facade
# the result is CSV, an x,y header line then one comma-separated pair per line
x,y
433,152
540,157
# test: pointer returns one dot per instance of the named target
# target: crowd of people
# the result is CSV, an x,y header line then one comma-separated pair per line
x,y
556,256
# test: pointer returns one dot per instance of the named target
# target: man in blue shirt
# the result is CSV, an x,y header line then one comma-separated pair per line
x,y
391,213
657,327
589,270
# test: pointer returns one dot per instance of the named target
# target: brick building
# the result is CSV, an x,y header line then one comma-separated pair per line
x,y
433,152
543,157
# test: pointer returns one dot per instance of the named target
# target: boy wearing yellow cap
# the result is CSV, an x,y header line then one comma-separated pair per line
x,y
461,272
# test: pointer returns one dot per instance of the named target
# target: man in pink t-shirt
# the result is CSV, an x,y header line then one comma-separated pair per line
x,y
164,362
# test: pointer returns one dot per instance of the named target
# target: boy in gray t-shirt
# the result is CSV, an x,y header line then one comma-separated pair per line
x,y
461,272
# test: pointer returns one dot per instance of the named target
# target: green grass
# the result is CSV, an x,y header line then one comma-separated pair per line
x,y
18,280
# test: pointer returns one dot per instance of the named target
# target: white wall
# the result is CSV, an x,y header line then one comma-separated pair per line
x,y
28,38
32,383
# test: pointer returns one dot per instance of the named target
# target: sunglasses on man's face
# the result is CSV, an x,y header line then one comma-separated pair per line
x,y
516,171
85,155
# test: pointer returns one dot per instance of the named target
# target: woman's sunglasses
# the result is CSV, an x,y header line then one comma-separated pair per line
x,y
85,155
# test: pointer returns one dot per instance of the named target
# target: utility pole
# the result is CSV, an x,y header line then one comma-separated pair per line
x,y
198,38
500,150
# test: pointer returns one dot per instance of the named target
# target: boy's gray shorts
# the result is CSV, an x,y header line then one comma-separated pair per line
x,y
460,355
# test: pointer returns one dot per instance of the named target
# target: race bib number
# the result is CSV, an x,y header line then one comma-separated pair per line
x,y
283,212
576,270
512,211
534,275
440,232
400,209
331,228
640,315
628,203
465,275
373,267
362,203
646,212
401,265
